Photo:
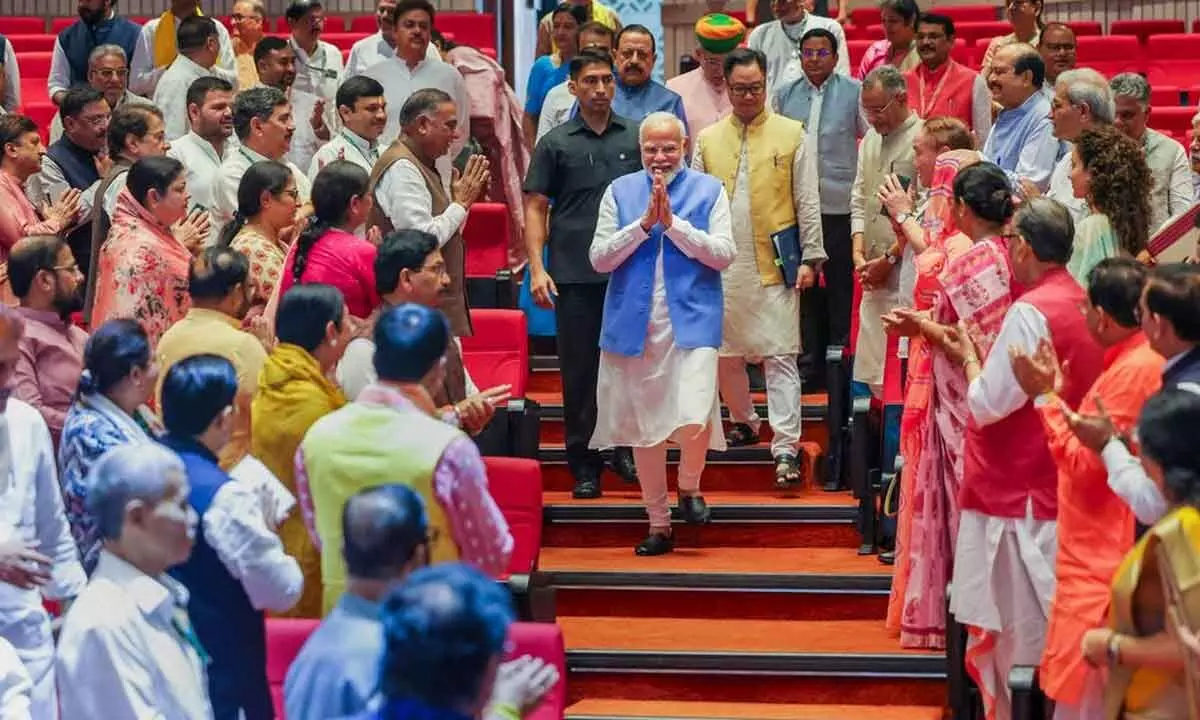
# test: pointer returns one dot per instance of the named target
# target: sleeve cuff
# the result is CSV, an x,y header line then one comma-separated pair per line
x,y
857,226
1114,453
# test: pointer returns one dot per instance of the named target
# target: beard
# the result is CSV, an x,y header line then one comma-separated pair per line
x,y
66,303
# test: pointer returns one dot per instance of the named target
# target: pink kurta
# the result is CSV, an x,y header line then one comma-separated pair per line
x,y
703,104
142,272
18,220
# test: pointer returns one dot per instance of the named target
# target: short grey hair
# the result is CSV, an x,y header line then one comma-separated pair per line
x,y
134,471
256,7
1131,85
1085,86
658,118
422,102
887,77
257,102
102,51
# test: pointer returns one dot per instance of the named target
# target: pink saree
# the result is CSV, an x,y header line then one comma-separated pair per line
x,y
956,280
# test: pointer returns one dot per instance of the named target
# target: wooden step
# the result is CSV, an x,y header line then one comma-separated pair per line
x,y
759,453
609,709
813,407
758,476
732,533
552,431
755,686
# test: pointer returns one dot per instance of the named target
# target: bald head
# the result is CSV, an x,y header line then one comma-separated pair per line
x,y
384,533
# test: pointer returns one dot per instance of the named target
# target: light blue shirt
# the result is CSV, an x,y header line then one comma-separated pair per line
x,y
1022,142
336,673
635,103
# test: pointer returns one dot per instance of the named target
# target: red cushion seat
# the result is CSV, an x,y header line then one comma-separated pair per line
x,y
1174,120
498,351
545,642
285,637
40,42
516,486
1173,60
1143,29
22,25
486,235
1110,54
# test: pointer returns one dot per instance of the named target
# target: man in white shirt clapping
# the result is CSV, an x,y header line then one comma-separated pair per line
x,y
198,50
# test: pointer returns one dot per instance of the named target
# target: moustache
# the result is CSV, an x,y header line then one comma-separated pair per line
x,y
633,67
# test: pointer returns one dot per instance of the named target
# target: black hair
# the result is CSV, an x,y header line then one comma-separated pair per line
x,y
268,45
257,103
195,391
410,340
908,10
421,102
1031,62
30,256
1055,25
1167,433
444,43
745,56
129,119
1173,291
406,6
587,58
112,352
299,8
335,186
305,310
984,188
818,34
943,21
1048,228
575,11
1115,286
401,250
636,29
77,98
594,28
382,527
156,172
13,127
193,32
269,176
356,88
215,272
200,88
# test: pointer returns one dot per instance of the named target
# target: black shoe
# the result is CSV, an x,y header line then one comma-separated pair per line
x,y
623,465
586,488
740,435
888,558
694,510
655,544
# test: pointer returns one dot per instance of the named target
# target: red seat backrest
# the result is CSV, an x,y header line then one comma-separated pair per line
x,y
486,234
857,48
285,637
469,28
864,16
22,25
1174,46
343,41
363,24
516,486
1165,95
35,65
871,32
961,53
41,113
1143,29
972,31
497,353
1175,120
1111,54
1086,28
58,24
968,13
41,42
543,641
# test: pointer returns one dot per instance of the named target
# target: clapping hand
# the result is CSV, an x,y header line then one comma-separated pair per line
x,y
957,345
1094,431
894,197
522,683
65,209
318,120
1039,373
22,566
467,187
903,321
192,231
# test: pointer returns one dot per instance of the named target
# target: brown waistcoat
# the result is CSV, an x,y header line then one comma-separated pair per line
x,y
454,304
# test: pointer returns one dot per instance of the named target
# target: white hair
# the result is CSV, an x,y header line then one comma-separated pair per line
x,y
125,473
655,119
103,51
1085,86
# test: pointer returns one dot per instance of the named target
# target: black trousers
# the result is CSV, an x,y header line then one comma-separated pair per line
x,y
578,315
825,311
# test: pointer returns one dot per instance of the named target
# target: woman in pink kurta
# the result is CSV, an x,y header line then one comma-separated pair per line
x,y
143,269
899,46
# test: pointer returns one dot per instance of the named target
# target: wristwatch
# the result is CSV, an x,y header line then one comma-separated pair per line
x,y
891,259
902,217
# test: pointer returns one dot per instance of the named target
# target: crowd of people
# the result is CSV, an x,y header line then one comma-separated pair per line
x,y
233,380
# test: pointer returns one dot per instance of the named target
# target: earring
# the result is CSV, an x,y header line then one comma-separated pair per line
x,y
333,343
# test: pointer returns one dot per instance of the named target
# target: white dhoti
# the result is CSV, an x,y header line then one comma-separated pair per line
x,y
870,351
1002,587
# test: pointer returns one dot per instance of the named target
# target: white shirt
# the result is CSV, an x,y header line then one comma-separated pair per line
x,y
356,369
399,83
1128,480
404,197
236,530
783,62
12,74
143,75
202,163
15,686
170,95
556,109
120,654
233,167
995,393
1171,193
31,510
373,49
305,142
320,73
345,145
1061,190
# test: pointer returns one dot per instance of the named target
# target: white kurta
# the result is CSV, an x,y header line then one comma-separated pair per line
x,y
781,43
144,76
170,94
645,400
305,142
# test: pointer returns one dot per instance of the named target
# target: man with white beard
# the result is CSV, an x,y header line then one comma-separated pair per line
x,y
664,236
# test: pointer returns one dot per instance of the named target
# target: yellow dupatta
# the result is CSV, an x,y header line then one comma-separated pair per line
x,y
165,51
292,394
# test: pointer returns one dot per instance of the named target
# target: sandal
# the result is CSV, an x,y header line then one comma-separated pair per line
x,y
740,435
656,543
788,473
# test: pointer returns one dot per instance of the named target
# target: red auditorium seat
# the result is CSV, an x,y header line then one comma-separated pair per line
x,y
543,641
32,43
22,25
474,29
967,13
363,24
1173,60
857,48
871,32
1111,54
1174,120
58,24
1166,95
961,52
342,41
1143,29
35,69
864,16
1086,28
487,235
41,113
973,31
498,352
516,486
285,637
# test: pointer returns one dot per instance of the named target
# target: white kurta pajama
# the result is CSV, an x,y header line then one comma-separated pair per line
x,y
763,322
667,392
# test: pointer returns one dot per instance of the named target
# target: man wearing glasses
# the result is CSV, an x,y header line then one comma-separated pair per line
x,y
1022,140
767,166
318,63
98,26
1057,46
780,41
827,103
108,71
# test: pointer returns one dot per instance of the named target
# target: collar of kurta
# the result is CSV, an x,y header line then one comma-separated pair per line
x,y
155,596
757,122
213,316
48,318
1114,353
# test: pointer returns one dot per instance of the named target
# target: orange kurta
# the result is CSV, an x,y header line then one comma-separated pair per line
x,y
1095,527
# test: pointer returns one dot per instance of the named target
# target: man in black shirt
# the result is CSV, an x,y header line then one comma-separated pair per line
x,y
572,166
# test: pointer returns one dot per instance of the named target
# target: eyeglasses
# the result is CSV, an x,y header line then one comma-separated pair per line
x,y
237,18
746,90
1060,47
293,194
878,111
820,53
112,74
438,268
